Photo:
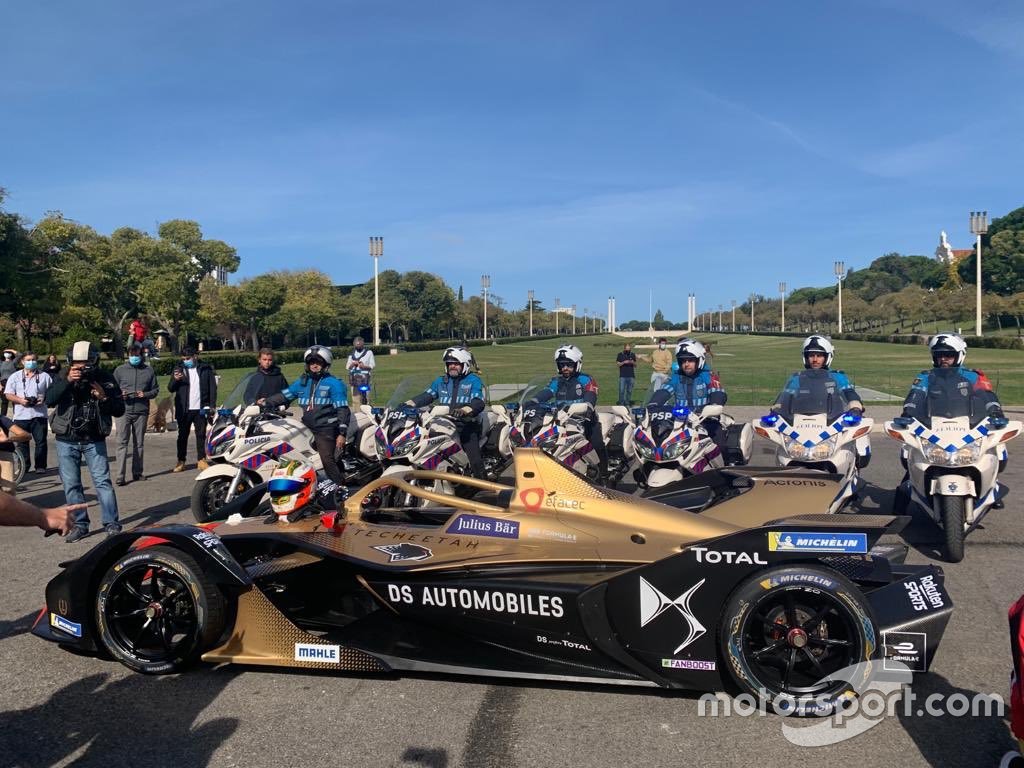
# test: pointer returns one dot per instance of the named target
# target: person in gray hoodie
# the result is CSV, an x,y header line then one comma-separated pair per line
x,y
138,384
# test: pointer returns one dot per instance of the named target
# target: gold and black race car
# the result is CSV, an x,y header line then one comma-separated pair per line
x,y
555,578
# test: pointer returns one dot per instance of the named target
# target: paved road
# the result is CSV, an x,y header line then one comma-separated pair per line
x,y
60,709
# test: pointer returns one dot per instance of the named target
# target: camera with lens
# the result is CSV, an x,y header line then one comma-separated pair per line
x,y
32,400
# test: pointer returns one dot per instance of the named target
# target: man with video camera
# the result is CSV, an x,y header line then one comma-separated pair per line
x,y
86,399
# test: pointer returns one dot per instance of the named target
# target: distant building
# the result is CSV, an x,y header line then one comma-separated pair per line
x,y
947,254
220,275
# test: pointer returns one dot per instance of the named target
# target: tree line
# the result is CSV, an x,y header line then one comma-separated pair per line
x,y
63,280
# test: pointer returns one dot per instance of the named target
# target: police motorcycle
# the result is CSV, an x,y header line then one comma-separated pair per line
x,y
816,441
560,431
245,443
953,471
673,442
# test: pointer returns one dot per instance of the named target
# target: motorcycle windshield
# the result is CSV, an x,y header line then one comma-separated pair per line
x,y
536,387
408,388
237,395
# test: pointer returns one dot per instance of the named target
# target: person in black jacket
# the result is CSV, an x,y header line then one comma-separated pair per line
x,y
195,392
268,379
85,400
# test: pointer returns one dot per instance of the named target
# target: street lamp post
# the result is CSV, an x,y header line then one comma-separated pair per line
x,y
719,318
734,315
485,286
840,270
782,291
376,251
573,319
529,298
557,304
979,227
751,313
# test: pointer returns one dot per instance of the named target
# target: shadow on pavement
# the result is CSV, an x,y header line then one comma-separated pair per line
x,y
978,738
133,721
17,626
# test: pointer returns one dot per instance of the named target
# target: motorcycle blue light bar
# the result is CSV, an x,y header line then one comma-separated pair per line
x,y
770,420
681,413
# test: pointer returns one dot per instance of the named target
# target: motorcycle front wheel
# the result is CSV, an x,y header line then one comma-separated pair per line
x,y
209,495
953,512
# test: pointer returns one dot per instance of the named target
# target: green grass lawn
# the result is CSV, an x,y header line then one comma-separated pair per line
x,y
753,368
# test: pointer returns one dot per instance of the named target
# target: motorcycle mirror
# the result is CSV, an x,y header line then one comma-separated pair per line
x,y
998,422
376,411
638,413
903,422
511,407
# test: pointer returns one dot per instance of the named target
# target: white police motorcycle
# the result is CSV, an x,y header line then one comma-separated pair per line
x,y
952,471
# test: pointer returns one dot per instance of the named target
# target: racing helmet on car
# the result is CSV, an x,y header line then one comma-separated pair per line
x,y
291,487
458,356
320,354
690,349
821,345
948,344
569,354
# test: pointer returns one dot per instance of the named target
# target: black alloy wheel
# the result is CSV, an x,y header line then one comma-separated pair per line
x,y
156,611
795,632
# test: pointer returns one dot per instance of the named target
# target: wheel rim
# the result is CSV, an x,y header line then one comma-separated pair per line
x,y
150,612
794,638
215,495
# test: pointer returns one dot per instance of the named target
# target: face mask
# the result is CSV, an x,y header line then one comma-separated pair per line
x,y
661,346
134,359
30,365
190,363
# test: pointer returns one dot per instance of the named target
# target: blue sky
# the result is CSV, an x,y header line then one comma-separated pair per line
x,y
581,149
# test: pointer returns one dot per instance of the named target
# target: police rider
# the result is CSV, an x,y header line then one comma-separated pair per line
x,y
360,361
694,386
463,392
324,407
818,389
572,386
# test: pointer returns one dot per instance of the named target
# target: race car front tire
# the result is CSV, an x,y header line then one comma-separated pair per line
x,y
799,638
156,610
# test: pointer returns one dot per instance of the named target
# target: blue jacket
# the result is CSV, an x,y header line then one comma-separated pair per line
x,y
454,392
578,388
693,392
324,399
817,391
949,393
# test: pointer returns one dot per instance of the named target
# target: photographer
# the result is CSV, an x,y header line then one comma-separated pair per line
x,y
27,390
86,400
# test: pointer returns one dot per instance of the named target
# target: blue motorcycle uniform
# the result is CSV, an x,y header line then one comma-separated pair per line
x,y
693,392
325,412
952,392
457,392
579,388
817,391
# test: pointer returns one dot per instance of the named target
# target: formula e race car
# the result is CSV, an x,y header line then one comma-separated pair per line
x,y
555,578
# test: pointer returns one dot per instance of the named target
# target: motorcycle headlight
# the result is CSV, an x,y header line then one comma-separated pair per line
x,y
825,449
405,445
673,451
645,451
381,443
968,454
217,450
796,450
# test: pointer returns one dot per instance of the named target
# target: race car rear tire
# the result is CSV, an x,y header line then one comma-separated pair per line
x,y
156,611
786,630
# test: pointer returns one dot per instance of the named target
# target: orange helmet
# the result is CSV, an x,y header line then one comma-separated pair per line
x,y
291,487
